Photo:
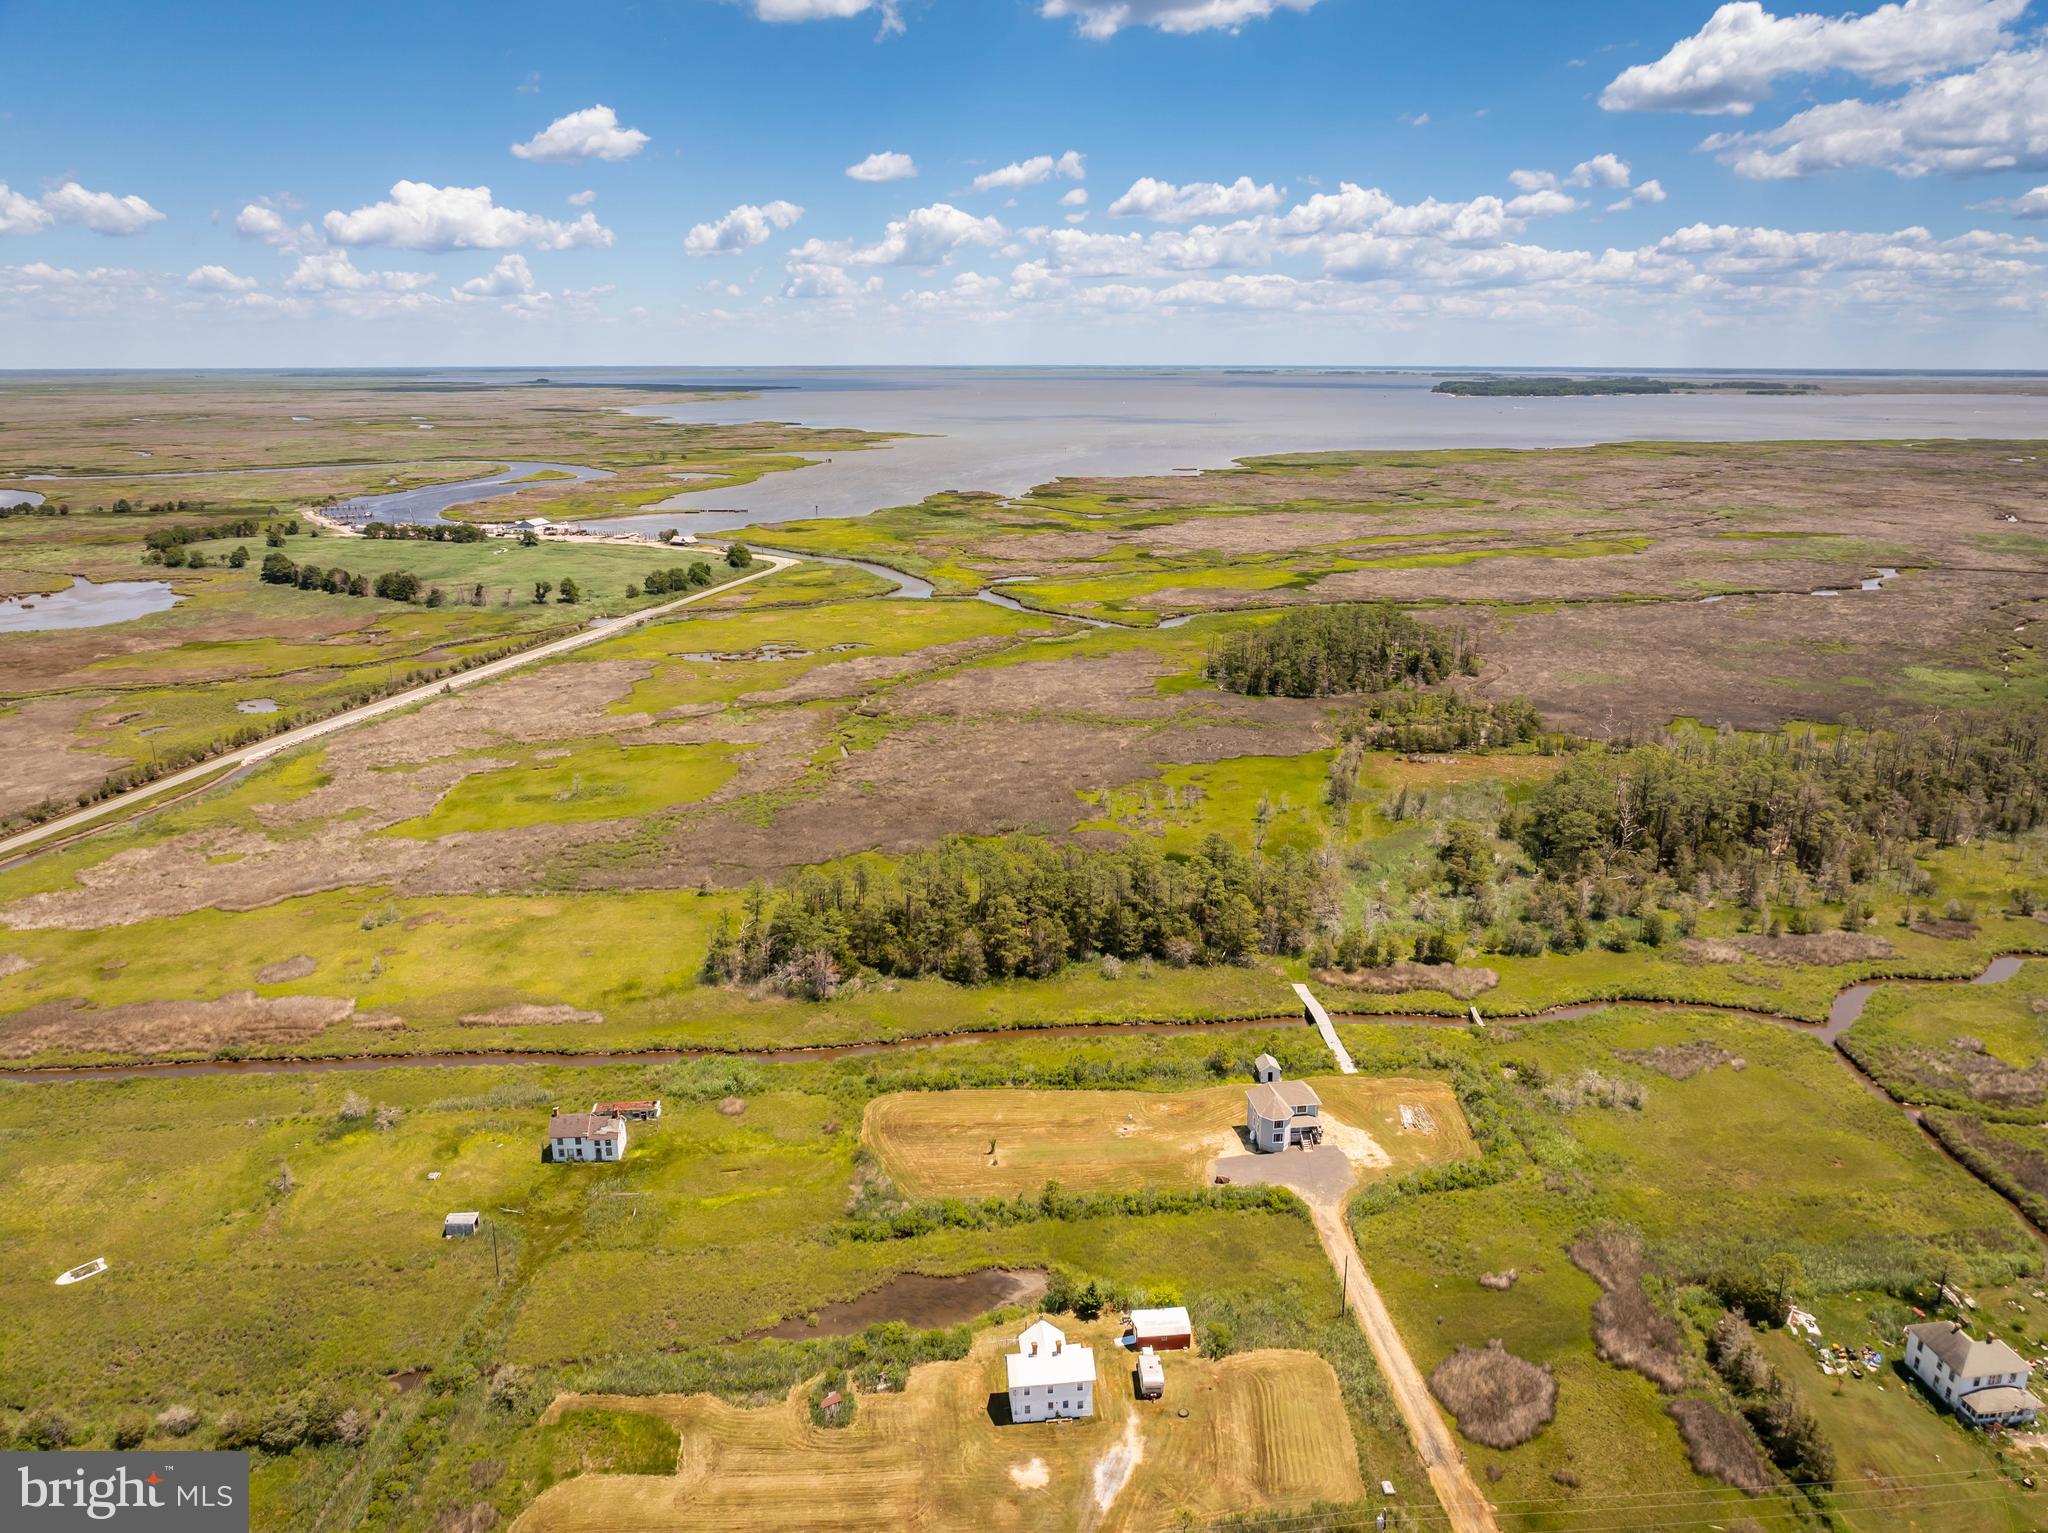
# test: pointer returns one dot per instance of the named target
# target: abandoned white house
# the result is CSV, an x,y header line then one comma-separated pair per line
x,y
1048,1379
585,1136
1986,1381
644,1111
1280,1113
1166,1330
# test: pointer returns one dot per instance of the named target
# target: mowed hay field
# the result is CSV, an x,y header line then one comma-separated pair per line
x,y
936,1143
1263,1429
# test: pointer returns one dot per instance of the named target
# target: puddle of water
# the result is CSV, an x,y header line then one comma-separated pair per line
x,y
256,705
11,498
85,605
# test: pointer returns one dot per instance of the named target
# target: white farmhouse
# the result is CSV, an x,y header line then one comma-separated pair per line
x,y
1048,1379
1986,1381
1280,1113
586,1136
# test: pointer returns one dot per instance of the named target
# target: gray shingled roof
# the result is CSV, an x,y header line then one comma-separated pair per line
x,y
2000,1399
1965,1356
1276,1100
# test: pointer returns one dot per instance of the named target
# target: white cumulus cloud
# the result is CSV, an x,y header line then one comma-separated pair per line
x,y
511,277
884,165
1040,167
1728,66
1993,117
591,134
419,216
922,237
101,212
218,279
19,214
332,271
1105,18
1165,203
742,229
829,10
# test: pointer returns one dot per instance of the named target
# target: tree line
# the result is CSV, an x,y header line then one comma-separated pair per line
x,y
393,585
1826,806
1321,651
972,911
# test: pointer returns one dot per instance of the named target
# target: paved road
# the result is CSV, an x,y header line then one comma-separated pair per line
x,y
607,628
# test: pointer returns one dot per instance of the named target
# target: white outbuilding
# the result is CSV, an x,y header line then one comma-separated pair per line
x,y
1048,1378
464,1223
1151,1375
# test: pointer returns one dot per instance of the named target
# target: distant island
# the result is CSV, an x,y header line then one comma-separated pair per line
x,y
1556,388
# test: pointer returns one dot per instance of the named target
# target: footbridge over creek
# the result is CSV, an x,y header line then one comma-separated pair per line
x,y
1312,1011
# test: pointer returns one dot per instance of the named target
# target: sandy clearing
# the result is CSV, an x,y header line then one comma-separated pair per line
x,y
1031,1475
1114,1469
285,969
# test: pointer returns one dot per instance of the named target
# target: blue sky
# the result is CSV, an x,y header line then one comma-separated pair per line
x,y
1107,181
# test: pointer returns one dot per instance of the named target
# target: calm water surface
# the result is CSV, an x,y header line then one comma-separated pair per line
x,y
85,605
1007,431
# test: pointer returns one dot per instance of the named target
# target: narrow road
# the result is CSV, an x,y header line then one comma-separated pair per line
x,y
597,632
1467,1510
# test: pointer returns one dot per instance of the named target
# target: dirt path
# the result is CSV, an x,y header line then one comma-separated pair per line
x,y
37,837
1468,1511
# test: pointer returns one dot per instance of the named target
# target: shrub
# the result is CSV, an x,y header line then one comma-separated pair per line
x,y
177,1420
1499,1399
45,1431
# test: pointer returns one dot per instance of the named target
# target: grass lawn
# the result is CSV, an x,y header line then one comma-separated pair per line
x,y
935,1144
1788,1153
267,1237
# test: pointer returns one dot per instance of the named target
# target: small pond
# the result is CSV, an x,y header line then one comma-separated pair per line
x,y
85,605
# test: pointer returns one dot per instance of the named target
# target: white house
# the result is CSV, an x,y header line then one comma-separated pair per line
x,y
1048,1379
1265,1068
1986,1381
586,1136
1280,1113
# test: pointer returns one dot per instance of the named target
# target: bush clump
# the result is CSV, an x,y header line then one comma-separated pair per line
x,y
1499,1399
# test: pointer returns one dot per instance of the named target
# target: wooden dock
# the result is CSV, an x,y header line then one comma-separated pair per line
x,y
1312,1010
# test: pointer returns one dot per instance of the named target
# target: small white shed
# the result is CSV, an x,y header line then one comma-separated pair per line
x,y
461,1224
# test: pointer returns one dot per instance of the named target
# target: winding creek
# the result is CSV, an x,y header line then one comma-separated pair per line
x,y
1843,1012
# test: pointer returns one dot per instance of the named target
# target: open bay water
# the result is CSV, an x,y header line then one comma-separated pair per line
x,y
1005,431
